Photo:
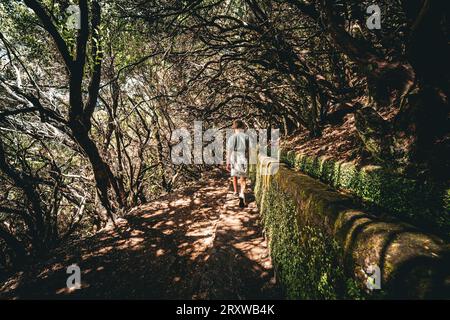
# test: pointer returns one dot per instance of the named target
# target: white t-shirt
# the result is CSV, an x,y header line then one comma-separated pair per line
x,y
236,149
237,142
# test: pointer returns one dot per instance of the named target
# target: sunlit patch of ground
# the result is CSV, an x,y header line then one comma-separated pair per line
x,y
340,142
193,243
238,262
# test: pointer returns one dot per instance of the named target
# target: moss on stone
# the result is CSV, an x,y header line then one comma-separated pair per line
x,y
306,261
417,202
320,243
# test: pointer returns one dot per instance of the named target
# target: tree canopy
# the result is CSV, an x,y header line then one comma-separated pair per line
x,y
87,111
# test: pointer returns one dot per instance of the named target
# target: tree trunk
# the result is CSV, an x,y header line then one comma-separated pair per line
x,y
19,254
104,177
37,227
426,111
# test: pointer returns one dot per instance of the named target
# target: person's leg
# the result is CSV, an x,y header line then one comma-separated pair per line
x,y
235,184
242,193
243,183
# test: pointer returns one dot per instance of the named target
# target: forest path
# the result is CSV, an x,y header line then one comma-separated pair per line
x,y
195,243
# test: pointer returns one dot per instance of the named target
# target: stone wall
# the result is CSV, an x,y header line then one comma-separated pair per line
x,y
321,242
418,202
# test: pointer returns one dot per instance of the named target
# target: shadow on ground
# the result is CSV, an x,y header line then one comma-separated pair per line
x,y
179,247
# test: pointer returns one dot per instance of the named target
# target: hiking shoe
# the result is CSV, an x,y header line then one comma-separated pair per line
x,y
241,202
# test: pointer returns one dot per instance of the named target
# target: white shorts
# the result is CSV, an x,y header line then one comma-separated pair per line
x,y
239,164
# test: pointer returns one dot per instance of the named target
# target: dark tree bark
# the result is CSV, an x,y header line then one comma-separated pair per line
x,y
386,80
428,107
19,254
36,221
423,118
80,112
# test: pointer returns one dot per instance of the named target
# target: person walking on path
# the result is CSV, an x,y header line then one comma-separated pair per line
x,y
237,159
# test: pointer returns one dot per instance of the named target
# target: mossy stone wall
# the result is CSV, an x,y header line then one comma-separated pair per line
x,y
321,243
417,202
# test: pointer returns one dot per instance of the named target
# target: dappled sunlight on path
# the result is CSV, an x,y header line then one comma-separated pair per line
x,y
194,243
238,262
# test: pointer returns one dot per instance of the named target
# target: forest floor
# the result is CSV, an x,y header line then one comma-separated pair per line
x,y
195,243
339,141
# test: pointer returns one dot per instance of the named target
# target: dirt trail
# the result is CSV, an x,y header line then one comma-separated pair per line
x,y
193,244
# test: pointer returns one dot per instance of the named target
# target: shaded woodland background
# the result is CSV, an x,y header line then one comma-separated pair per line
x,y
86,115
